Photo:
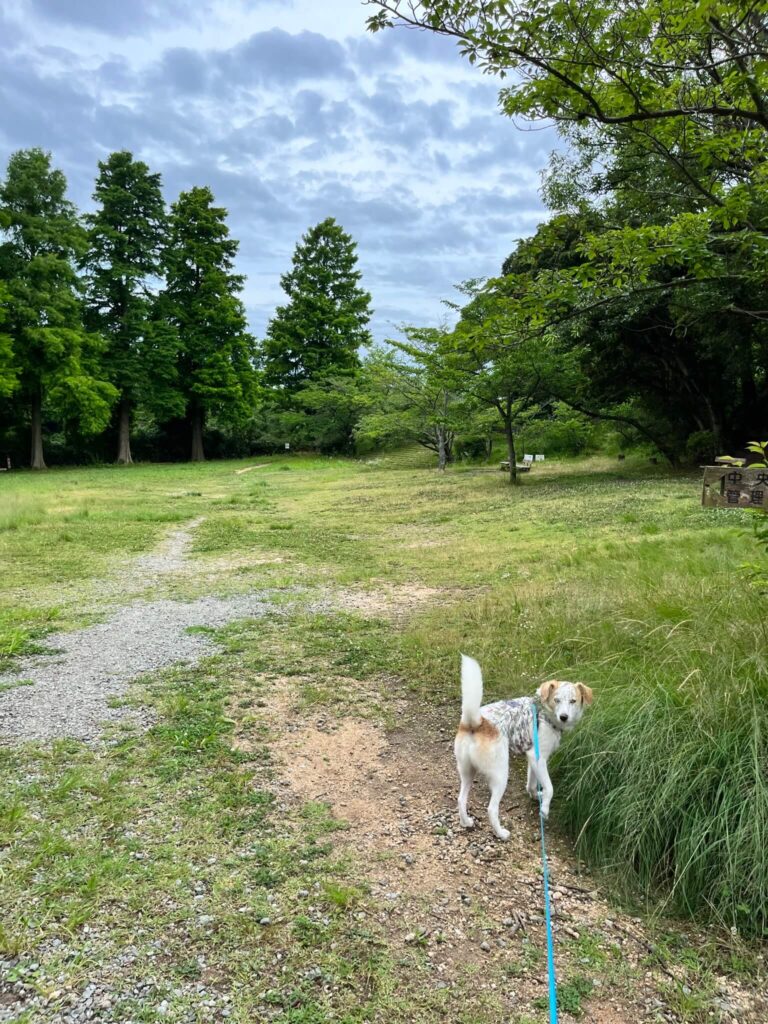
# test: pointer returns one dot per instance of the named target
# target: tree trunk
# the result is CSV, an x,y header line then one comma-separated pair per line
x,y
124,433
715,428
442,452
198,455
37,458
511,454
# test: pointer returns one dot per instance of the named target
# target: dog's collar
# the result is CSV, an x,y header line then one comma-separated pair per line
x,y
544,713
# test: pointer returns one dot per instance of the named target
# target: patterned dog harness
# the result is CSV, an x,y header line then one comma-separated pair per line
x,y
514,718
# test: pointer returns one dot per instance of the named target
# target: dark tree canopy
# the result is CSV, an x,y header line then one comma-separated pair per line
x,y
9,369
51,358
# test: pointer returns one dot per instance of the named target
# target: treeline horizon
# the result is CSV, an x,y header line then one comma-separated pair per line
x,y
122,335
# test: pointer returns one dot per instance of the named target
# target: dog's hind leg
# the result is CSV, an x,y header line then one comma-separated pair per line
x,y
497,781
467,776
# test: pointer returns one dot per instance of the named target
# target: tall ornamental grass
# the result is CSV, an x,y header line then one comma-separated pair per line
x,y
668,782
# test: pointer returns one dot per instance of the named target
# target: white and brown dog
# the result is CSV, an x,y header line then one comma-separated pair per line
x,y
487,734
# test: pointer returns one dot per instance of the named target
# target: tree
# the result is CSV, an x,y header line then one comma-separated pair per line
x,y
9,371
424,400
324,323
124,256
500,371
54,357
326,412
671,101
682,365
201,303
656,68
661,313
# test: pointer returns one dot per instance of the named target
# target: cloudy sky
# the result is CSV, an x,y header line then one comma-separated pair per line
x,y
291,112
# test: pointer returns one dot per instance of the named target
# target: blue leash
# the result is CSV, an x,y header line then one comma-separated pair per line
x,y
547,910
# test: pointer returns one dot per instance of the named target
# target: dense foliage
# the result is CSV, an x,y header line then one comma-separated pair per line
x,y
643,293
323,325
125,242
201,304
52,357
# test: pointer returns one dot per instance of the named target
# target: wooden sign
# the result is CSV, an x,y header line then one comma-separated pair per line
x,y
735,487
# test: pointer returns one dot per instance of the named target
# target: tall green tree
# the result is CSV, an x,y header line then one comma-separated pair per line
x,y
324,323
421,398
123,261
201,302
500,370
55,358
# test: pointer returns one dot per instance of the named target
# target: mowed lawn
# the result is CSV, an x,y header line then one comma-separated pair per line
x,y
593,570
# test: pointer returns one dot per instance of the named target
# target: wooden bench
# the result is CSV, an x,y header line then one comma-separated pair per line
x,y
522,467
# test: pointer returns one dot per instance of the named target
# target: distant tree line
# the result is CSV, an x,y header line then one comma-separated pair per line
x,y
132,310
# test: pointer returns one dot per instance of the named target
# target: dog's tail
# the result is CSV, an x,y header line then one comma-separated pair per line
x,y
471,692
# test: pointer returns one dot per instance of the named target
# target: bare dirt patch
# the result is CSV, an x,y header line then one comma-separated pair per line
x,y
388,600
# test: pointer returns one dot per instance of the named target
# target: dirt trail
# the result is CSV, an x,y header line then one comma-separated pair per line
x,y
471,902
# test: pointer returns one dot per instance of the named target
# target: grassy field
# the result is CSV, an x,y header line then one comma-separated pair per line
x,y
609,574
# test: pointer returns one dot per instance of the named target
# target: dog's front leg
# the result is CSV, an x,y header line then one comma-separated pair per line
x,y
541,773
531,784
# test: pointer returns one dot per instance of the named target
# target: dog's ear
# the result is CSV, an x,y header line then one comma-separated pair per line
x,y
586,693
546,690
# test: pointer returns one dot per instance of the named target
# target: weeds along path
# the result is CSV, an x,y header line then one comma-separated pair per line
x,y
70,691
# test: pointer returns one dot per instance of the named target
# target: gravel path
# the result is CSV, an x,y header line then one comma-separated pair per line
x,y
72,689
167,559
87,669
